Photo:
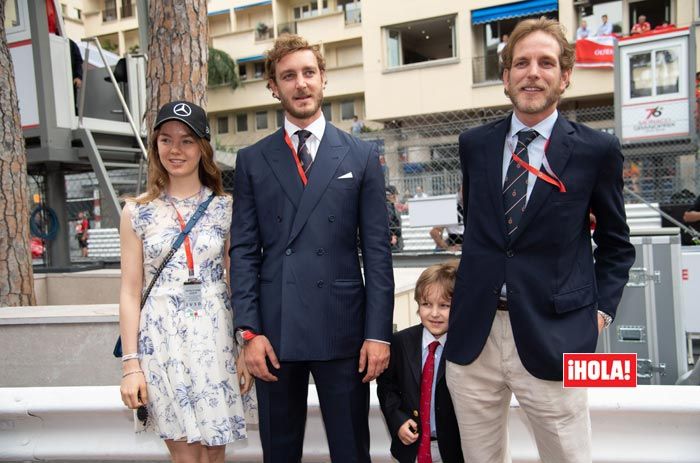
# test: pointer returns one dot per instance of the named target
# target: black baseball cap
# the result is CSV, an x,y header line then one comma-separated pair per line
x,y
189,113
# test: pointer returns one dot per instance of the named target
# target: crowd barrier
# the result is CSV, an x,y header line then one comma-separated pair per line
x,y
650,424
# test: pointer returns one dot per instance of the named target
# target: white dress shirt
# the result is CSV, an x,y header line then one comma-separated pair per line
x,y
317,128
535,153
427,340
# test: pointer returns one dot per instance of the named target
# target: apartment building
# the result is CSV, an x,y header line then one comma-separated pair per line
x,y
387,60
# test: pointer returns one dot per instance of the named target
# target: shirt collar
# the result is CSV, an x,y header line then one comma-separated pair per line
x,y
317,127
428,338
544,128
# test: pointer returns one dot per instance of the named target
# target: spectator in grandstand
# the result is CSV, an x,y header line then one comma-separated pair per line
x,y
395,238
641,26
582,32
528,288
420,193
693,215
357,125
605,27
81,233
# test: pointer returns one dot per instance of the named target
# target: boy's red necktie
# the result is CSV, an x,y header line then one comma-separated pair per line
x,y
426,392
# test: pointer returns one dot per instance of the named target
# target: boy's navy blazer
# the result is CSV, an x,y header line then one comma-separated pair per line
x,y
555,281
398,389
295,270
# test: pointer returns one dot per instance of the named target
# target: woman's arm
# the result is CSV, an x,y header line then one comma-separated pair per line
x,y
133,387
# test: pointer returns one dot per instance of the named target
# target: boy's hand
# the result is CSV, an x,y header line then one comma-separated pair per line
x,y
408,433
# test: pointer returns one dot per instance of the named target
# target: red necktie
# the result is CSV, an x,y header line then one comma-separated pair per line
x,y
426,392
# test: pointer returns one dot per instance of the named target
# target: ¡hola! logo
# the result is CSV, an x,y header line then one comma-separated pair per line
x,y
600,370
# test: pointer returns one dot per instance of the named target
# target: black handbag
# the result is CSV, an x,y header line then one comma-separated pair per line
x,y
117,352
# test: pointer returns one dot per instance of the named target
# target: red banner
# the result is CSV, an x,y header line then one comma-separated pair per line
x,y
595,52
600,370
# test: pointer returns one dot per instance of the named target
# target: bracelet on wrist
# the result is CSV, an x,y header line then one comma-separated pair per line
x,y
133,356
131,373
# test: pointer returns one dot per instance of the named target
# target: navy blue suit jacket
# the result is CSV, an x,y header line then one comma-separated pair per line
x,y
555,281
295,270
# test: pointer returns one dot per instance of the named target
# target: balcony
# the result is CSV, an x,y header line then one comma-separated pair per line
x,y
109,14
128,10
486,69
287,28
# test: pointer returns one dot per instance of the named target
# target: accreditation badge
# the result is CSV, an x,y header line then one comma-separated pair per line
x,y
194,307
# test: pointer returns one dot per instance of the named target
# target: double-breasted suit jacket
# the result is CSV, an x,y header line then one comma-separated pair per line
x,y
295,270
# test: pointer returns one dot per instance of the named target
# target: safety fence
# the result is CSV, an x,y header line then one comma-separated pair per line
x,y
420,157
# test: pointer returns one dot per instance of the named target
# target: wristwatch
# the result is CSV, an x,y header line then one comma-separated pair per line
x,y
606,318
243,336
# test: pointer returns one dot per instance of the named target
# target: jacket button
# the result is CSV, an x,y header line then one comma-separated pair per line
x,y
320,283
415,412
331,218
288,252
510,253
320,251
279,219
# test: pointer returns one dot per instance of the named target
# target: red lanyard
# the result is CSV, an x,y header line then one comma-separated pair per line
x,y
188,249
300,169
551,178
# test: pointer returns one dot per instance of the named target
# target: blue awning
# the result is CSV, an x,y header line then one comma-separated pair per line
x,y
217,12
249,59
251,5
513,10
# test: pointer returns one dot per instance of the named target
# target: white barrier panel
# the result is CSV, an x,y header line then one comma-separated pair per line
x,y
643,425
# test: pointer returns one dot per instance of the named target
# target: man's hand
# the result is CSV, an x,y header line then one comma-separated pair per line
x,y
256,351
408,432
375,356
601,323
77,82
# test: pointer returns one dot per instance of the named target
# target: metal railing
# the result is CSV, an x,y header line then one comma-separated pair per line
x,y
287,28
109,14
264,34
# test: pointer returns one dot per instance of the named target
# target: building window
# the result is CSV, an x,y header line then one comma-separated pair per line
x,y
347,110
280,118
241,122
222,124
261,120
420,41
352,9
11,14
327,113
259,70
242,71
310,9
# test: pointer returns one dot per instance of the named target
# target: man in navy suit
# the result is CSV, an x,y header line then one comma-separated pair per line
x,y
529,287
302,195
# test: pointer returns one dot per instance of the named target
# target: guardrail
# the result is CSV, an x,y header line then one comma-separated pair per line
x,y
647,424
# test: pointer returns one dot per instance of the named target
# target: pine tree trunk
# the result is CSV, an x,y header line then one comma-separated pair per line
x,y
16,276
177,53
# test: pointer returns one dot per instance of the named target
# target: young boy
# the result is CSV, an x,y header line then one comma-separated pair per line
x,y
412,391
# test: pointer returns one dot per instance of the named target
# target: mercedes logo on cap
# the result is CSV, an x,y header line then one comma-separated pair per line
x,y
182,109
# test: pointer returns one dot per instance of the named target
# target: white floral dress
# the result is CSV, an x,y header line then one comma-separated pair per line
x,y
188,358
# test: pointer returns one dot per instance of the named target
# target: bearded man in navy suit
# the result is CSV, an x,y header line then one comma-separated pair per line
x,y
302,195
529,286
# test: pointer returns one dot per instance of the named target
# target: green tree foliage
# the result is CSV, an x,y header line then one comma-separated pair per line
x,y
222,69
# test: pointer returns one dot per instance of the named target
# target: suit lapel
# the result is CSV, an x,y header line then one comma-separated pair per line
x,y
330,153
558,154
281,161
493,150
414,351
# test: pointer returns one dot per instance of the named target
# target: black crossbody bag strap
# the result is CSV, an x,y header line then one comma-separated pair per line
x,y
117,352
